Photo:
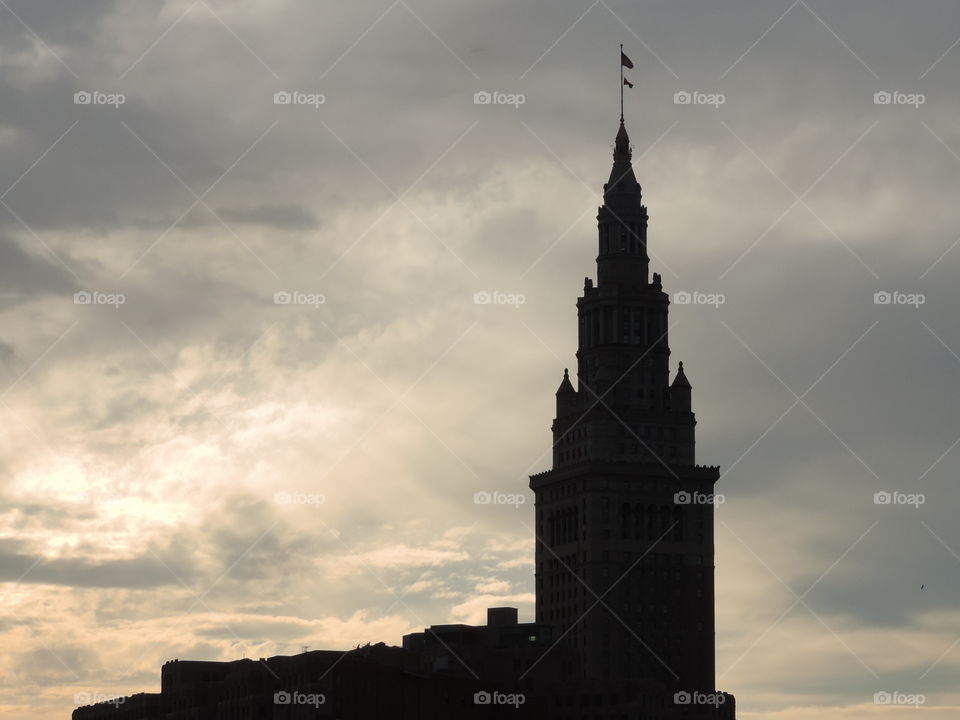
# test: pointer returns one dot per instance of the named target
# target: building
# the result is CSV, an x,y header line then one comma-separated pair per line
x,y
624,626
624,519
507,655
369,683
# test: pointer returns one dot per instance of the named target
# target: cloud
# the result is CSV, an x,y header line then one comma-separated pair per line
x,y
492,586
397,556
132,573
281,217
25,275
181,414
474,610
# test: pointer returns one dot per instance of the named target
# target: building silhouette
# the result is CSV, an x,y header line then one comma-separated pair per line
x,y
375,681
624,626
624,519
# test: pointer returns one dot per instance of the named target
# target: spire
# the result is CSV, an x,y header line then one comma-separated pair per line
x,y
680,381
566,386
621,146
622,223
622,179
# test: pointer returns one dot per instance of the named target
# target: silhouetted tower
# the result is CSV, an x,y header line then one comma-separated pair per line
x,y
612,513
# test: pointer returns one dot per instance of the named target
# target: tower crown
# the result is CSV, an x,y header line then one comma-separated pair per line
x,y
622,223
623,352
622,179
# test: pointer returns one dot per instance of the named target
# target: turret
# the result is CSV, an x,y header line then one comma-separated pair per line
x,y
680,392
567,397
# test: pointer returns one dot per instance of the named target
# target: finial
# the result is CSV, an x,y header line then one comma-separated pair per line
x,y
566,372
680,366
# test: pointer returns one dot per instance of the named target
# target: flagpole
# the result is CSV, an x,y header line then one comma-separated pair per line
x,y
621,83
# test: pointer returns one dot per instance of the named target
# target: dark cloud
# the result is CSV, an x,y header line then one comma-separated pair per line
x,y
232,542
141,572
26,274
281,217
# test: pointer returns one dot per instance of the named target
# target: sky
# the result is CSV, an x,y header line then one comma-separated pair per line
x,y
248,394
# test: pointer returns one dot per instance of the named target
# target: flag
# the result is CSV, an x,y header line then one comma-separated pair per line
x,y
627,83
625,61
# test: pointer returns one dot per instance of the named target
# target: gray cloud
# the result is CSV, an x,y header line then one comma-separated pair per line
x,y
282,217
27,274
144,572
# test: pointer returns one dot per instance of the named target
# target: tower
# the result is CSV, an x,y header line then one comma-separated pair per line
x,y
624,519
